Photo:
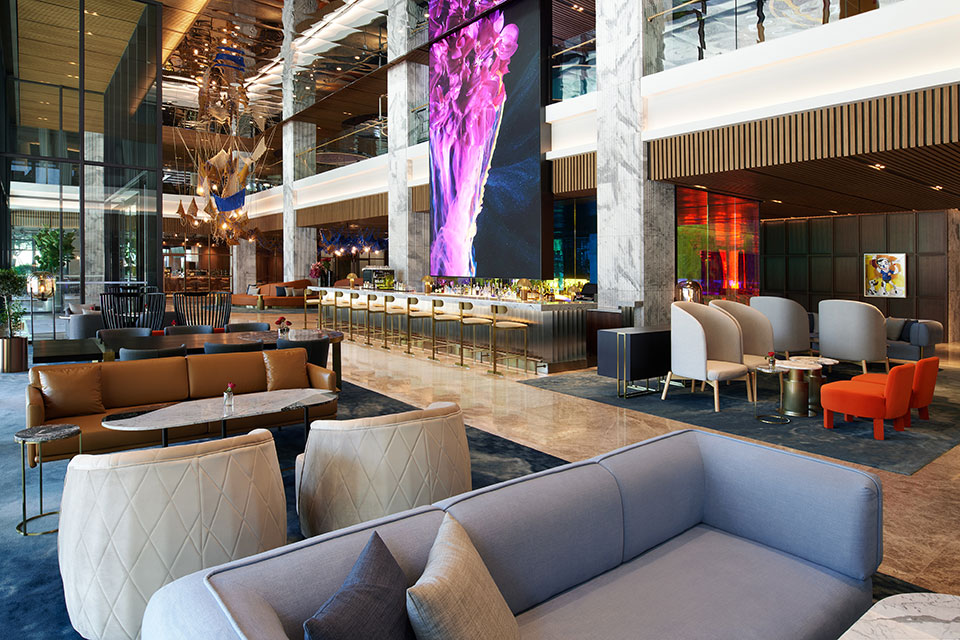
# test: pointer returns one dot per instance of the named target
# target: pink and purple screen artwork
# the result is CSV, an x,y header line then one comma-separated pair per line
x,y
467,97
444,15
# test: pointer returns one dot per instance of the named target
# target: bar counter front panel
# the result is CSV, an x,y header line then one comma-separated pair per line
x,y
556,331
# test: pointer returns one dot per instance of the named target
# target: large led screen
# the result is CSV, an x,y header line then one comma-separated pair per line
x,y
485,147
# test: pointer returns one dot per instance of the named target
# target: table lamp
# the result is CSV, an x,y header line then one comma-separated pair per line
x,y
352,277
525,286
427,284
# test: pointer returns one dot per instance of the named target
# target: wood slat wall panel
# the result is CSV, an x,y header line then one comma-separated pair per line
x,y
371,206
578,173
904,121
420,198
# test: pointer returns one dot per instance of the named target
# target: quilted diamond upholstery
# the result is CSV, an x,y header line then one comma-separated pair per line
x,y
131,522
357,470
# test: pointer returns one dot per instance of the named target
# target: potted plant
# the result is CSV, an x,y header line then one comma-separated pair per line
x,y
13,348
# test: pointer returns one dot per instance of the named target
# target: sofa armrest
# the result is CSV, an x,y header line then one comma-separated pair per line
x,y
926,333
823,512
321,378
35,410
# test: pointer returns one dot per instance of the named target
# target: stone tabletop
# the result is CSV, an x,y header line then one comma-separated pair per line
x,y
817,359
47,432
804,365
909,616
245,405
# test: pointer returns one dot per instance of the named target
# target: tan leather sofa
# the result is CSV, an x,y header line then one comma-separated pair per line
x,y
270,297
83,394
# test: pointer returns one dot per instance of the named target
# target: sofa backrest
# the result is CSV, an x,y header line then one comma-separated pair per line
x,y
544,533
208,374
270,290
138,382
296,579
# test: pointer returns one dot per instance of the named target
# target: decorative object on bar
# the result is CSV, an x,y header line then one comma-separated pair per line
x,y
42,286
353,278
524,285
885,275
13,348
427,284
688,291
202,307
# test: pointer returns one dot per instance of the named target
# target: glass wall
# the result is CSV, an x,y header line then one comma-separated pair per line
x,y
575,240
679,32
79,179
718,243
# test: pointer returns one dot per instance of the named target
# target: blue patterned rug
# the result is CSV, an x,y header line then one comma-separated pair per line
x,y
31,594
903,452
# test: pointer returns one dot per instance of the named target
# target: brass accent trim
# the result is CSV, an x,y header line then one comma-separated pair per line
x,y
914,119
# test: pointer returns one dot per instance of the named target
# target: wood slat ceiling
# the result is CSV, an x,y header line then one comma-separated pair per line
x,y
849,184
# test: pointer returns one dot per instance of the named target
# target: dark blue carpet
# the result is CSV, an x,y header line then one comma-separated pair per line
x,y
31,594
903,452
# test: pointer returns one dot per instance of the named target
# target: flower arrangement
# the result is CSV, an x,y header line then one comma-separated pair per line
x,y
771,359
228,398
467,95
283,326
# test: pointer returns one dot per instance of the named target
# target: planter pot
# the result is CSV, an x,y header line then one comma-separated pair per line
x,y
13,355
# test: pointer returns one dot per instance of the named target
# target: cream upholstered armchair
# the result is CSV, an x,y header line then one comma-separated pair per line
x,y
706,345
357,470
133,521
757,332
851,330
790,322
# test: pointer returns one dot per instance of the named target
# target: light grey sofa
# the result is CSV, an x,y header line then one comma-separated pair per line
x,y
690,535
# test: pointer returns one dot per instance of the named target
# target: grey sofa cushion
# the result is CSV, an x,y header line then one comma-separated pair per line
x,y
701,584
544,533
673,467
894,327
293,581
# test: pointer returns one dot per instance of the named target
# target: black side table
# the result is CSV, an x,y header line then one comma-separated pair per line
x,y
37,436
634,353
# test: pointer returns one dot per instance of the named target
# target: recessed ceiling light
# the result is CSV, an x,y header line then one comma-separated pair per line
x,y
339,69
356,57
777,201
699,186
833,210
878,166
937,187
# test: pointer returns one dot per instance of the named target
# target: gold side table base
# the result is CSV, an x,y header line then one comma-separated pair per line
x,y
21,526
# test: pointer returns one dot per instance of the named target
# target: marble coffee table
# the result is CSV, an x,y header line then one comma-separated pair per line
x,y
245,405
909,616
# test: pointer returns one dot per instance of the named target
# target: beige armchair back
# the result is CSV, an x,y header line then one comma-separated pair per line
x,y
756,328
133,521
357,470
852,330
791,325
699,333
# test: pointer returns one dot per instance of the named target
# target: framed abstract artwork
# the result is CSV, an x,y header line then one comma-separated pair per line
x,y
885,275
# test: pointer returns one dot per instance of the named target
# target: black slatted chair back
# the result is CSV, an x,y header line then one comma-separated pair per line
x,y
237,327
189,329
154,305
121,310
203,307
317,350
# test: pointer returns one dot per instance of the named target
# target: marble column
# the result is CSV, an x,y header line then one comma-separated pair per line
x,y
299,244
243,265
636,230
408,231
94,194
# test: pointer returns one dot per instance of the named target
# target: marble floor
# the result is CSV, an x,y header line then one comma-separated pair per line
x,y
921,511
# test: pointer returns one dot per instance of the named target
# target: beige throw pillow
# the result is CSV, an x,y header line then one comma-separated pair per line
x,y
456,598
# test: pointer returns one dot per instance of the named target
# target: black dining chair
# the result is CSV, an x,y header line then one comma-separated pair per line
x,y
237,327
150,354
190,329
107,335
233,347
121,309
203,307
317,350
154,306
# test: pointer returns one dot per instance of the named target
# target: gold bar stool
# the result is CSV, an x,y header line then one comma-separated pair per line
x,y
311,302
413,313
375,307
441,317
392,311
326,300
504,325
339,302
470,321
356,304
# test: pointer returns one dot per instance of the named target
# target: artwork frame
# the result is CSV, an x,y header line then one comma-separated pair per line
x,y
885,275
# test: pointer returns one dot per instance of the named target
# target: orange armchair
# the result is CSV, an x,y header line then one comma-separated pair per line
x,y
924,383
890,401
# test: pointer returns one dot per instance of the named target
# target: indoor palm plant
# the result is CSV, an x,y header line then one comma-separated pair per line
x,y
13,348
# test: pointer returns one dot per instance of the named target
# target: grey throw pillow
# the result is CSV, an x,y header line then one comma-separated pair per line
x,y
894,327
369,603
252,290
456,598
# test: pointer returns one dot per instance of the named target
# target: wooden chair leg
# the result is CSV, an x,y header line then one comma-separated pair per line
x,y
878,428
749,387
666,387
886,363
863,363
716,395
827,419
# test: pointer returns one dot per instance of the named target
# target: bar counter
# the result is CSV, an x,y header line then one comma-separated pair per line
x,y
556,331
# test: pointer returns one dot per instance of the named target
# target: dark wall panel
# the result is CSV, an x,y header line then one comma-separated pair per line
x,y
814,259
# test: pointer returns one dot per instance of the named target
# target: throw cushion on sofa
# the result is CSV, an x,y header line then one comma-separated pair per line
x,y
905,331
286,369
281,292
71,391
894,328
253,290
456,598
369,604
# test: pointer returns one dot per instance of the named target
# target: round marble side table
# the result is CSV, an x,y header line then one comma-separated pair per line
x,y
796,388
814,379
909,616
37,436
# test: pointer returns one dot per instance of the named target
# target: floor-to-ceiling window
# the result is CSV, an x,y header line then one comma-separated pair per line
x,y
79,178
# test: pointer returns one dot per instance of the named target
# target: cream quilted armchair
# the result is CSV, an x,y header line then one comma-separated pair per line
x,y
133,521
357,470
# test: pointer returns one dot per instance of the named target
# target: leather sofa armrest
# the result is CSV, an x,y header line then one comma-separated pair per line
x,y
926,333
35,410
321,378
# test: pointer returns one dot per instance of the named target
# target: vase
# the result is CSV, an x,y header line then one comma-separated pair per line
x,y
227,402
